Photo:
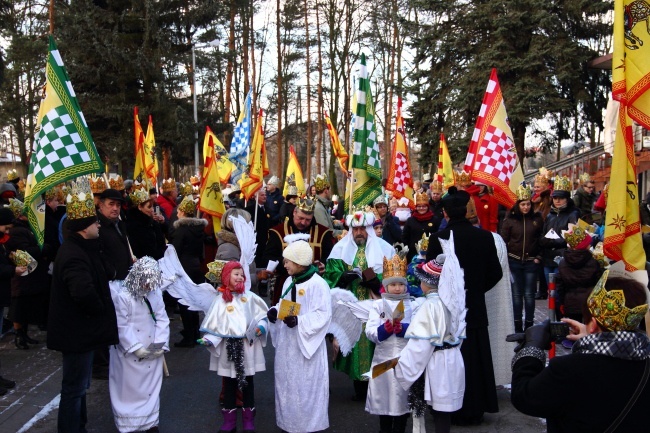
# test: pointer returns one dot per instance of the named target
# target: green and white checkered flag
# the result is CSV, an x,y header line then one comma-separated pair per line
x,y
63,148
366,164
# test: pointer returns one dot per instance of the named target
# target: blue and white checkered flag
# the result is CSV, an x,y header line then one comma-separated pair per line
x,y
241,141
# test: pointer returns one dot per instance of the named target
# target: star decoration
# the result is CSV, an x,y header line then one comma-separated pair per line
x,y
618,222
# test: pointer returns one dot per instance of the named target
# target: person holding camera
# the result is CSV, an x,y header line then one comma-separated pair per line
x,y
609,364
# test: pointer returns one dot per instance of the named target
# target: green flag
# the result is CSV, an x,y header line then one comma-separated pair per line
x,y
365,162
63,148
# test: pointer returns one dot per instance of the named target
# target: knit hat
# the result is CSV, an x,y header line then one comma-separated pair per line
x,y
299,252
429,272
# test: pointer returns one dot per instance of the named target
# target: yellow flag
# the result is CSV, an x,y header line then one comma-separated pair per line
x,y
151,163
211,198
140,162
257,161
219,152
294,174
445,173
337,148
630,72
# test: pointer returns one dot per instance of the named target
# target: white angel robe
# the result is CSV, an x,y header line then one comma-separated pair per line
x,y
385,395
134,384
445,369
301,369
231,320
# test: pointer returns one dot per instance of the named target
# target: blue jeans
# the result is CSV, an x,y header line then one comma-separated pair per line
x,y
523,288
77,370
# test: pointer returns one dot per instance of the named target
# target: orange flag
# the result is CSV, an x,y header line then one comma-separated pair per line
x,y
257,161
294,174
211,201
337,148
400,181
218,153
140,159
445,173
630,78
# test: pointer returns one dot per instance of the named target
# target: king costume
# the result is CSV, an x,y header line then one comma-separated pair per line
x,y
346,256
301,367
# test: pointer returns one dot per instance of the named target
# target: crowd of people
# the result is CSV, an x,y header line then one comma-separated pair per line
x,y
440,286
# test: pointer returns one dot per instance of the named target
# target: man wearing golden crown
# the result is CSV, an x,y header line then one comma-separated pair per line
x,y
301,221
585,197
356,263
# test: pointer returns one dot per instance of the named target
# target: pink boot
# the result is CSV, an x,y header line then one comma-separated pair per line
x,y
229,421
248,416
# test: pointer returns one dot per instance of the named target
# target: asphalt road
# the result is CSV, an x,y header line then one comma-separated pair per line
x,y
189,396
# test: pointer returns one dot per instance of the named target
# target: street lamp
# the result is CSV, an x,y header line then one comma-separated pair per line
x,y
213,43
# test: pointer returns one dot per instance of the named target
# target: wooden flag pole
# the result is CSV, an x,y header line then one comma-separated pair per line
x,y
51,17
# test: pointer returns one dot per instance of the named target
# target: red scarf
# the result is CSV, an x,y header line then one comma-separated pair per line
x,y
423,216
4,238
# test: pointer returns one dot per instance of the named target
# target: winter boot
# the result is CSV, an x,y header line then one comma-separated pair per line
x,y
19,339
519,327
399,423
28,339
248,417
528,324
229,421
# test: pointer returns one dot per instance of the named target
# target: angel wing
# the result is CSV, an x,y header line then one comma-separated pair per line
x,y
245,232
197,297
345,324
451,287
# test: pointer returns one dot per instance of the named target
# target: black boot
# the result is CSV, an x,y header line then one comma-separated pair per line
x,y
528,324
19,340
360,390
28,338
518,327
399,423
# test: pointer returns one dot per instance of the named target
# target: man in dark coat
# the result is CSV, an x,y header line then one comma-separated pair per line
x,y
391,231
477,255
274,200
82,316
606,364
261,221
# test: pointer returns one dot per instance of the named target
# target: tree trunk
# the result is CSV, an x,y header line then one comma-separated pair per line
x,y
229,69
319,115
307,64
279,86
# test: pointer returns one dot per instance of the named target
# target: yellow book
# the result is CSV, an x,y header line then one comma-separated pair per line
x,y
383,367
288,308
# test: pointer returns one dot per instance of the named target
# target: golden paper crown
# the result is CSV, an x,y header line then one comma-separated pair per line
x,y
54,193
139,196
574,236
462,178
168,185
421,198
606,190
12,174
437,186
214,271
544,177
144,185
609,310
16,206
321,183
97,184
599,254
306,205
524,192
395,267
562,183
186,188
195,180
423,244
292,190
187,205
584,178
80,203
23,258
116,183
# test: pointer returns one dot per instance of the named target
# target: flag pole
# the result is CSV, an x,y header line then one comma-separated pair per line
x,y
51,17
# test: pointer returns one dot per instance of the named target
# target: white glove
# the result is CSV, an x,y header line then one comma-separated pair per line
x,y
157,353
142,353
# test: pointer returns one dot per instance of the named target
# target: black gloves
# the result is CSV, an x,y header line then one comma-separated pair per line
x,y
347,278
291,321
370,281
272,315
538,336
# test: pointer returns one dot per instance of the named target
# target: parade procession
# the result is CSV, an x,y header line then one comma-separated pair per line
x,y
343,275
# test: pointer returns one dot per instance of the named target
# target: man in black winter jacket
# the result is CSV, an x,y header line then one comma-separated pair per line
x,y
82,316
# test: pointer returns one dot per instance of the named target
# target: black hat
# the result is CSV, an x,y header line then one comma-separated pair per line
x,y
455,198
77,225
558,193
112,194
6,216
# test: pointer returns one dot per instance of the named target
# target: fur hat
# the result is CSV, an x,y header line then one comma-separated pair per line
x,y
299,252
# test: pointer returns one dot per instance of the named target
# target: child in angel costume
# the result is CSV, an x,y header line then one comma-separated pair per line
x,y
235,322
434,336
301,370
387,324
136,363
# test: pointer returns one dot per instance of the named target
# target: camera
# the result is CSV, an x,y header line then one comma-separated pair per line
x,y
559,330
